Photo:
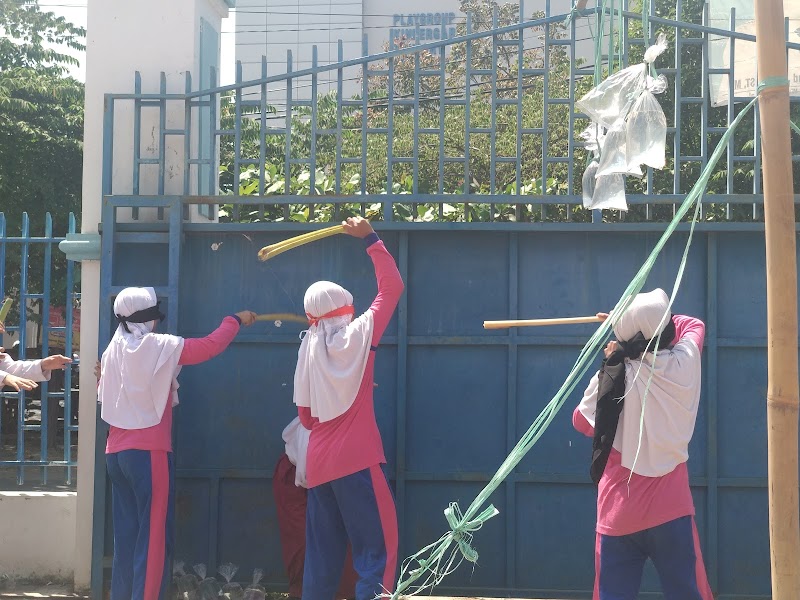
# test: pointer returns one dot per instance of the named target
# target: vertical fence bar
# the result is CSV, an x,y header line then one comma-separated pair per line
x,y
388,213
493,124
442,115
545,109
69,315
23,342
287,176
44,390
237,140
313,154
571,94
137,140
705,88
162,141
364,117
467,112
339,99
262,136
416,142
187,141
520,71
213,176
731,116
678,108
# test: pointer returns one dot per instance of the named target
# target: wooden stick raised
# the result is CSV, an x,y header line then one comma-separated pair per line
x,y
539,322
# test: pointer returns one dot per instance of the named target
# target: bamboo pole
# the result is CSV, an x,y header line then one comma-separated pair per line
x,y
540,322
782,389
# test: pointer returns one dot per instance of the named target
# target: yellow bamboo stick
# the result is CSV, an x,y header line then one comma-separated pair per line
x,y
539,322
273,250
282,317
5,308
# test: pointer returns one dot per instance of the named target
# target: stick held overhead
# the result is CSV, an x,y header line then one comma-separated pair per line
x,y
273,250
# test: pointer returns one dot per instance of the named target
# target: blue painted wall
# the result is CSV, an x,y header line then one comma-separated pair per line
x,y
454,398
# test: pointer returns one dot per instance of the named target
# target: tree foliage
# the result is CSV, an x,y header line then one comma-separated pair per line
x,y
41,131
41,115
422,103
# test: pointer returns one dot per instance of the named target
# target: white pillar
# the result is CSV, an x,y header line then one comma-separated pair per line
x,y
148,36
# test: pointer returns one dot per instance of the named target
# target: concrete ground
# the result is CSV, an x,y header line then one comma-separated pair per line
x,y
60,592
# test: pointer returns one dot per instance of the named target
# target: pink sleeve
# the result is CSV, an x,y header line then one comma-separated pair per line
x,y
390,287
197,350
580,423
691,328
306,420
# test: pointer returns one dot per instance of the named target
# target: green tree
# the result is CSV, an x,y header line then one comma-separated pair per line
x,y
41,128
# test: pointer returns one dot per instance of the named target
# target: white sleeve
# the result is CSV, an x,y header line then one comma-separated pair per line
x,y
588,405
2,378
27,369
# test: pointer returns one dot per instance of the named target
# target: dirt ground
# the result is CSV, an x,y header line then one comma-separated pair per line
x,y
55,592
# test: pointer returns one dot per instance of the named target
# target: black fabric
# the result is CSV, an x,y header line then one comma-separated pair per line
x,y
142,316
610,392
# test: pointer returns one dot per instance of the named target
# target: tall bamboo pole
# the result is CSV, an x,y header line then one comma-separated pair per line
x,y
782,390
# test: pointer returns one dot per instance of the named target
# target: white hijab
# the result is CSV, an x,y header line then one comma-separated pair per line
x,y
664,414
296,437
139,368
333,354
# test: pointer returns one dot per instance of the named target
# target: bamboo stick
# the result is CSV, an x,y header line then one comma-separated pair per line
x,y
782,388
282,317
273,250
5,308
540,322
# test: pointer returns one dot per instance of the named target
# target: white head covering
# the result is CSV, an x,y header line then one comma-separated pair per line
x,y
671,402
296,437
333,354
648,313
139,368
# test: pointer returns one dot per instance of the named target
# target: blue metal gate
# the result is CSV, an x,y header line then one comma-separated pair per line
x,y
452,398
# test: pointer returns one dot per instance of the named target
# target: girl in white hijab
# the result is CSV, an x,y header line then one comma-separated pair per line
x,y
137,390
641,409
348,495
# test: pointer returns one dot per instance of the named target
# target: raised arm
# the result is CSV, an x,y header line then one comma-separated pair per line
x,y
198,350
390,284
689,328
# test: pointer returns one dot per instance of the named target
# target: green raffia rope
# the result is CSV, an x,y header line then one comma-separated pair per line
x,y
771,82
794,127
434,562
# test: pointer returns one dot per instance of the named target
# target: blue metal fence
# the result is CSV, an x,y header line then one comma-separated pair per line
x,y
435,125
38,430
496,230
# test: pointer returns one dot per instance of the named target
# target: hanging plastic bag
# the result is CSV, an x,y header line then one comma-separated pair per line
x,y
610,101
609,193
613,154
646,128
589,183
